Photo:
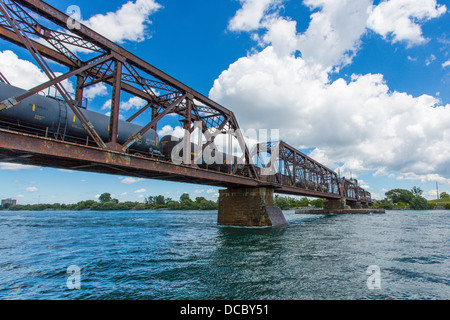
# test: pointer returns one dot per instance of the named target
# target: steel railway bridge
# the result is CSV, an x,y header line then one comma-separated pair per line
x,y
36,26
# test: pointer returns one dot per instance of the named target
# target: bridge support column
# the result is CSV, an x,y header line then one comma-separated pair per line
x,y
250,207
356,205
334,204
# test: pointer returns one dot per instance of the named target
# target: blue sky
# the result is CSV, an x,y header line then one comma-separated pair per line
x,y
362,85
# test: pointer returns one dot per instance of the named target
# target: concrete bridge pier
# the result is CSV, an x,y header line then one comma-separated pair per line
x,y
249,207
341,204
335,204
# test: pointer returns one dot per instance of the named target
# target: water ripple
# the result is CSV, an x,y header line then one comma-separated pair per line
x,y
184,255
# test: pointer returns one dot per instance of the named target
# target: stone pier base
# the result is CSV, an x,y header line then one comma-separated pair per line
x,y
340,207
249,207
334,204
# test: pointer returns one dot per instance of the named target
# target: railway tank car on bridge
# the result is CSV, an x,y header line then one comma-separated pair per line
x,y
54,117
171,146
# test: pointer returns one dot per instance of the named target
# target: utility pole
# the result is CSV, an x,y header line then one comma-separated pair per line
x,y
437,190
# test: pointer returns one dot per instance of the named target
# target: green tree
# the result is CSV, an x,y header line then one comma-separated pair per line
x,y
304,202
17,207
444,195
419,203
83,205
204,204
104,197
6,206
318,203
186,203
401,205
173,205
160,200
155,202
139,206
399,195
281,202
56,206
385,204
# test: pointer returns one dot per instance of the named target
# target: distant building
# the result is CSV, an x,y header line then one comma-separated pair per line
x,y
8,202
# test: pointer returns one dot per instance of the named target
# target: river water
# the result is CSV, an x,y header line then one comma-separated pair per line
x,y
184,255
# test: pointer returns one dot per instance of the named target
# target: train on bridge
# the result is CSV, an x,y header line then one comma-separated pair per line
x,y
50,116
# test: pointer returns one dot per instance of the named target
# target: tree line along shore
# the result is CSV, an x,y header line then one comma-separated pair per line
x,y
107,203
395,199
399,199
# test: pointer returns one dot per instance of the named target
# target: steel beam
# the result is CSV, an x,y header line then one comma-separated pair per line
x,y
54,153
115,105
44,66
138,135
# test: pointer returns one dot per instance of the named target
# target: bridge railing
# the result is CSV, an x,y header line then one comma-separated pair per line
x,y
288,166
353,192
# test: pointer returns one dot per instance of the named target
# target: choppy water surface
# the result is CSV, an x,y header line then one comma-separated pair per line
x,y
185,255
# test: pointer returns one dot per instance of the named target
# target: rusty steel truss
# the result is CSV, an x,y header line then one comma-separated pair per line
x,y
288,166
40,28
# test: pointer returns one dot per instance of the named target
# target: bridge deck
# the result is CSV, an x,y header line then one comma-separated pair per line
x,y
29,149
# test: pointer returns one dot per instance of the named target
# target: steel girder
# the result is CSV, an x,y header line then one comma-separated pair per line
x,y
288,167
123,71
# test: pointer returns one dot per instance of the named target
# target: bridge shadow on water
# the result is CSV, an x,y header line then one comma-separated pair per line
x,y
266,263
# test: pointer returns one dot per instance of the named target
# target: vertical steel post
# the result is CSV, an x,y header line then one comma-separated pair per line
x,y
187,131
115,104
79,90
154,115
294,169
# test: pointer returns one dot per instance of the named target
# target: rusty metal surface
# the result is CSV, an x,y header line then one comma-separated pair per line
x,y
28,149
293,168
32,150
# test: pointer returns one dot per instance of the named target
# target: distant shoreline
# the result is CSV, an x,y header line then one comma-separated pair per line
x,y
106,203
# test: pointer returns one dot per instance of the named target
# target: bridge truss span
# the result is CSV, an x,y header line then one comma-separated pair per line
x,y
84,144
289,167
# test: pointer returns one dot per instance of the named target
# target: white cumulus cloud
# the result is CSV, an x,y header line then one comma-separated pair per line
x,y
14,69
16,167
132,103
334,33
399,20
129,22
31,189
250,15
130,180
99,89
357,124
